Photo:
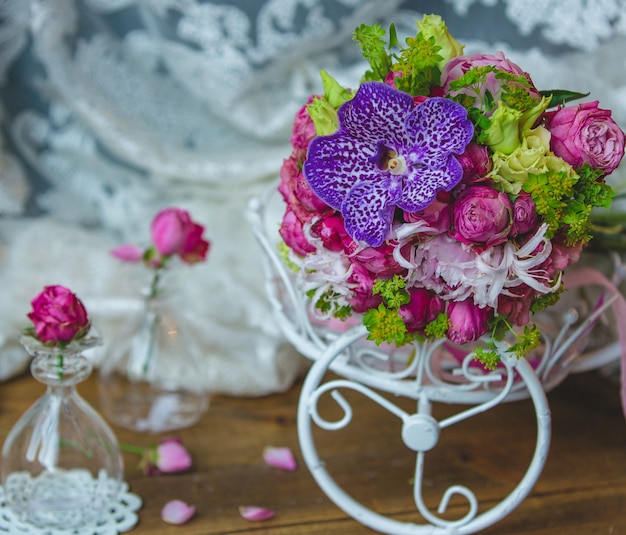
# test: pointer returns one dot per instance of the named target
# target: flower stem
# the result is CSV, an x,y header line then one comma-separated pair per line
x,y
131,448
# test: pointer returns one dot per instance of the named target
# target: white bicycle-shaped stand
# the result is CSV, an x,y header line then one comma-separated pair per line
x,y
427,375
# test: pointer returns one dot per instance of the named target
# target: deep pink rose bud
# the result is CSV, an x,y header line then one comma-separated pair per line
x,y
173,232
587,134
303,128
468,322
482,215
169,456
525,217
423,308
58,316
476,163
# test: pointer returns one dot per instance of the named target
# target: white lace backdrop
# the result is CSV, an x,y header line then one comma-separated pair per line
x,y
111,109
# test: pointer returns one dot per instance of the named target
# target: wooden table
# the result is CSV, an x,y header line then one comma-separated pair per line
x,y
581,491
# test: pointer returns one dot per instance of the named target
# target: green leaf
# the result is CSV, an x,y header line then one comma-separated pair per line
x,y
561,96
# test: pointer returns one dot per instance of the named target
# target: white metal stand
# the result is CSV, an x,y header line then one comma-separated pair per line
x,y
424,373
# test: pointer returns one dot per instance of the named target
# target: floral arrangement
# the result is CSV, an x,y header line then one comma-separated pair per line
x,y
173,235
444,196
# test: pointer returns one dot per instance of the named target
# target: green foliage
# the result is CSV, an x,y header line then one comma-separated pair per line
x,y
385,325
373,43
561,96
565,200
327,305
541,302
438,327
392,291
418,65
487,356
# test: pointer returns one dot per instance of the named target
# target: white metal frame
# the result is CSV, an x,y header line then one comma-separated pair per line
x,y
422,373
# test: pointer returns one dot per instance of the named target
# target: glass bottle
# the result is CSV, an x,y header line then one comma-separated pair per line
x,y
61,465
149,379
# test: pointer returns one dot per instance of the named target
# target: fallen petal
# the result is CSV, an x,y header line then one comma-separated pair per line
x,y
177,512
281,458
128,253
254,513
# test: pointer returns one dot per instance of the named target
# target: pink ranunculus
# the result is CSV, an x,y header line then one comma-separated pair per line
x,y
58,316
459,65
423,308
525,217
169,456
292,234
362,298
437,215
482,215
476,163
587,134
174,233
468,321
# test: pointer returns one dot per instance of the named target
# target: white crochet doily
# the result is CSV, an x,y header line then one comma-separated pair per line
x,y
123,517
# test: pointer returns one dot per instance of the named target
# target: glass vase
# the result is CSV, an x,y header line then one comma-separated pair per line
x,y
61,465
150,377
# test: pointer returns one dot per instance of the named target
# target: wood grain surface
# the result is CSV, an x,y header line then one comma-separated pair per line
x,y
581,491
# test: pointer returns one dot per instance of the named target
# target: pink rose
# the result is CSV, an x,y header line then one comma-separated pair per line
x,y
173,232
331,230
468,322
517,307
423,308
377,260
437,215
297,193
303,128
292,234
362,298
525,217
58,316
169,456
561,256
587,134
476,163
482,215
459,65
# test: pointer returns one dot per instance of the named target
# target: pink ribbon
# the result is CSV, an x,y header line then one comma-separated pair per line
x,y
586,276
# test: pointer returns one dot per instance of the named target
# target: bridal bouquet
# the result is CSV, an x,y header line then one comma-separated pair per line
x,y
445,195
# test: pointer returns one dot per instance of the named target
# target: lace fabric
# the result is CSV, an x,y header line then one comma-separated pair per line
x,y
113,108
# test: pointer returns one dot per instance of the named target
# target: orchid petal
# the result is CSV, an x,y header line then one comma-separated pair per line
x,y
177,512
254,513
281,458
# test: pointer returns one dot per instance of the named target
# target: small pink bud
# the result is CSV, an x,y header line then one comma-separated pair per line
x,y
281,458
169,456
177,512
254,513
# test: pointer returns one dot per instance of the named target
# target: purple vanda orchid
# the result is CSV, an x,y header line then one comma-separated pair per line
x,y
387,153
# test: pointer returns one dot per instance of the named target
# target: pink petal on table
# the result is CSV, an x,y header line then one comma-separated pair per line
x,y
177,512
128,253
280,458
255,513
